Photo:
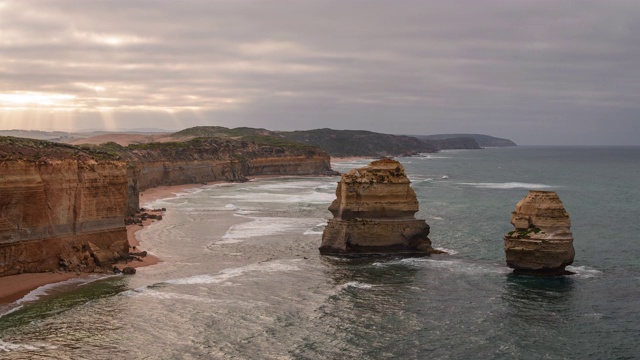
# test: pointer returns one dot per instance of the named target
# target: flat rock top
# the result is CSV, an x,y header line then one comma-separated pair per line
x,y
379,171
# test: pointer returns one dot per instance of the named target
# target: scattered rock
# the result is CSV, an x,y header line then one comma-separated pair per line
x,y
128,270
116,270
542,242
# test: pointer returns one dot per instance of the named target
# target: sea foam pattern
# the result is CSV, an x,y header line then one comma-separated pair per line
x,y
508,185
230,273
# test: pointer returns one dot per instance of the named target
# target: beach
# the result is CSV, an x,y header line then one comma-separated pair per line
x,y
14,287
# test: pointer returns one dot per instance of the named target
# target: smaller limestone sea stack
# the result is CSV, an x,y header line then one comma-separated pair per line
x,y
542,243
374,214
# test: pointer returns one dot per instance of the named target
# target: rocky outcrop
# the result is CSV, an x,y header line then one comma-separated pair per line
x,y
374,214
542,242
60,208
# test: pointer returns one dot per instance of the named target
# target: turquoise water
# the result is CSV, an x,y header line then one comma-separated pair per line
x,y
255,287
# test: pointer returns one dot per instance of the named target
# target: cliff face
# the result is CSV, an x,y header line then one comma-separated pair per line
x,y
63,207
213,159
63,211
374,214
542,242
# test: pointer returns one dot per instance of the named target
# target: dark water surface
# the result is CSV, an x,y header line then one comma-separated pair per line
x,y
243,278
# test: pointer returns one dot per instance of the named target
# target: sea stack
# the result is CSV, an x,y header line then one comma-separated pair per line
x,y
373,214
542,243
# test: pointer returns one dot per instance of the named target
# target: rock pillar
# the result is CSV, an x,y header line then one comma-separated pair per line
x,y
542,242
373,214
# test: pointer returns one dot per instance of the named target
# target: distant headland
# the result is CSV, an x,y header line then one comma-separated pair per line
x,y
337,143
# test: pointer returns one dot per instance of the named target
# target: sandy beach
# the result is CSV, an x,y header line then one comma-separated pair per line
x,y
15,287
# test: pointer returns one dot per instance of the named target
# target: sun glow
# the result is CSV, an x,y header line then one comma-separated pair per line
x,y
29,99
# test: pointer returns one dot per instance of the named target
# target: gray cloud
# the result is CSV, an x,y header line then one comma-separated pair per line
x,y
536,71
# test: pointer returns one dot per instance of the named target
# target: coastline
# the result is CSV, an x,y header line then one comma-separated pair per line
x,y
15,287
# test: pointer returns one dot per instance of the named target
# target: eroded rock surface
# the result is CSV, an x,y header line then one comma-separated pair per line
x,y
60,209
374,214
542,242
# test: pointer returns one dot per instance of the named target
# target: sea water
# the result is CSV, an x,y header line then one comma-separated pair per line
x,y
243,279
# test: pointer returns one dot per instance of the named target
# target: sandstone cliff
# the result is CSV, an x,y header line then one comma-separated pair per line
x,y
542,242
203,160
63,207
59,208
374,214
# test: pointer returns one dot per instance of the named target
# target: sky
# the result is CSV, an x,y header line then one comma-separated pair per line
x,y
539,72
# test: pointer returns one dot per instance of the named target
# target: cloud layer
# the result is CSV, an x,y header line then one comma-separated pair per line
x,y
536,71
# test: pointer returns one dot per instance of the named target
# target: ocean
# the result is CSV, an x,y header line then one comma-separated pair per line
x,y
242,277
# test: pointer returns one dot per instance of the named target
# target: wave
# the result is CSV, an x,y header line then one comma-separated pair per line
x,y
266,226
230,273
508,185
448,251
431,157
457,265
13,347
584,271
312,197
43,290
356,284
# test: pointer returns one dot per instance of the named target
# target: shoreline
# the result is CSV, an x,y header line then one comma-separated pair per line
x,y
15,287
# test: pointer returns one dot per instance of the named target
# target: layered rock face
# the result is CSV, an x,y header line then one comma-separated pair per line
x,y
374,214
65,211
63,207
212,159
542,242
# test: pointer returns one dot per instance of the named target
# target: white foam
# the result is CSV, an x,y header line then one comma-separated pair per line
x,y
312,197
508,185
451,265
34,295
357,285
448,251
11,347
230,273
11,310
430,157
311,232
584,271
291,185
265,226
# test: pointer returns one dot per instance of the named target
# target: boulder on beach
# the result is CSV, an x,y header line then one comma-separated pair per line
x,y
374,214
542,242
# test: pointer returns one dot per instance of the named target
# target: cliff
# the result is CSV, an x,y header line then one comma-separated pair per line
x,y
62,207
373,213
59,208
542,242
203,160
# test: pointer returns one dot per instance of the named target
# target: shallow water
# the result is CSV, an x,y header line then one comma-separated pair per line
x,y
243,277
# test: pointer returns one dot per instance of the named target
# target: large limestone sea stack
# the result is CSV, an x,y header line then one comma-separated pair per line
x,y
542,243
374,214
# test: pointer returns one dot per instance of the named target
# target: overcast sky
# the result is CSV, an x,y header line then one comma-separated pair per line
x,y
534,71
